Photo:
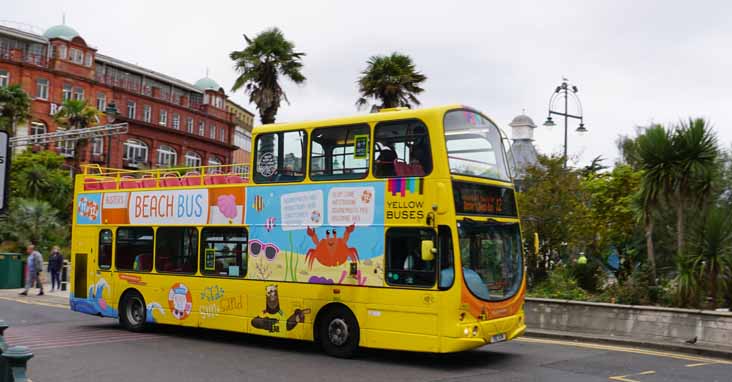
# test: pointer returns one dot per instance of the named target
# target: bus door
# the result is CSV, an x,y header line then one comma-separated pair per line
x,y
101,290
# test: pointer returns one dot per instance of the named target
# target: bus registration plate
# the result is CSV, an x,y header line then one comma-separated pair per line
x,y
498,338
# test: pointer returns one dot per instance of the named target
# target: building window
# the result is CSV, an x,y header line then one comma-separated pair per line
x,y
189,125
280,157
212,132
224,251
4,78
167,156
176,121
134,249
214,161
62,52
77,56
176,249
135,151
101,101
65,148
163,117
131,110
105,249
67,92
146,113
404,264
37,128
223,134
79,94
242,139
98,146
201,128
192,159
88,59
42,88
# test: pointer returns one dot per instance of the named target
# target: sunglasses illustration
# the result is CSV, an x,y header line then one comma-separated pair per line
x,y
270,250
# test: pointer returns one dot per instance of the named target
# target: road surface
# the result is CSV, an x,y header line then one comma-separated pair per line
x,y
73,347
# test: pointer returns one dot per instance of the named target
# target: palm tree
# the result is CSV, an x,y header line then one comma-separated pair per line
x,y
392,80
696,150
14,107
77,114
31,221
711,247
267,57
656,157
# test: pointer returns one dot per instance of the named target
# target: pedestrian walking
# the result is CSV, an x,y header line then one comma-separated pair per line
x,y
55,263
35,267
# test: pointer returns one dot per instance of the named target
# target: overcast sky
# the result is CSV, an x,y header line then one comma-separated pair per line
x,y
635,62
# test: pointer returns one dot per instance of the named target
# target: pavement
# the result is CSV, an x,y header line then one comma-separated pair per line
x,y
69,346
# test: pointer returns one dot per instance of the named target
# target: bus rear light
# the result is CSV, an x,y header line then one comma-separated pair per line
x,y
336,291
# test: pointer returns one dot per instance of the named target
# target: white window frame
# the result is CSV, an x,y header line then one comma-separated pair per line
x,y
131,110
76,56
78,93
147,113
101,101
42,86
212,131
135,151
189,125
62,51
4,78
223,134
98,146
201,128
176,121
214,161
88,59
167,156
67,92
193,159
163,120
66,148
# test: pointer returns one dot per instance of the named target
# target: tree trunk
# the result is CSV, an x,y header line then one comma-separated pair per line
x,y
713,275
650,250
679,224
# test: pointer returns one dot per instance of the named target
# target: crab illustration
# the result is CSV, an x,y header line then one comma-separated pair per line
x,y
331,251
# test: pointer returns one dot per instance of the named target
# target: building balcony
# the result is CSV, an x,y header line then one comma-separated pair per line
x,y
20,56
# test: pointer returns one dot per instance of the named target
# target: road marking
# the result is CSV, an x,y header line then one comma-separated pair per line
x,y
44,337
701,364
32,302
624,378
625,349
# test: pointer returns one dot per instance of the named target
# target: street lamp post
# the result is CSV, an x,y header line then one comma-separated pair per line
x,y
111,113
565,91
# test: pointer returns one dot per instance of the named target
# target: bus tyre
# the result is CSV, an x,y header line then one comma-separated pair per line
x,y
132,314
338,332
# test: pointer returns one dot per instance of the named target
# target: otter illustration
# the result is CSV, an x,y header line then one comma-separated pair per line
x,y
273,301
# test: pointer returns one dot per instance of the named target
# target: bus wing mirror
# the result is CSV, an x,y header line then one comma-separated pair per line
x,y
428,250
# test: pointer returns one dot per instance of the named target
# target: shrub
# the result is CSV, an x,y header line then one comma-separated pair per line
x,y
561,284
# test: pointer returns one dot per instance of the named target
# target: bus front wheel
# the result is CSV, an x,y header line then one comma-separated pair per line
x,y
338,332
132,314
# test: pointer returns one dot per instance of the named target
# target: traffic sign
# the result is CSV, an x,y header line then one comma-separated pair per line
x,y
4,169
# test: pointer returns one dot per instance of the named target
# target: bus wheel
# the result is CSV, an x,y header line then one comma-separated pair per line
x,y
132,311
338,332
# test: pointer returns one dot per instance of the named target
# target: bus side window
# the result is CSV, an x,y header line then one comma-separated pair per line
x,y
105,249
447,259
340,152
176,249
404,265
134,248
280,157
224,251
401,149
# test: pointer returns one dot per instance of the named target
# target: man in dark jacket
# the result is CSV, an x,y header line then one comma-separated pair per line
x,y
55,263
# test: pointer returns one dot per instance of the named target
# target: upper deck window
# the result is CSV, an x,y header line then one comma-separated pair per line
x,y
474,146
340,152
402,148
280,157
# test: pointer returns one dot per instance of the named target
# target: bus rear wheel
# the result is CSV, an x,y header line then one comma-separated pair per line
x,y
338,332
132,313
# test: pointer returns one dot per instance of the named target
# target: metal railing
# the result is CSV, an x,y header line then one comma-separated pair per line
x,y
95,177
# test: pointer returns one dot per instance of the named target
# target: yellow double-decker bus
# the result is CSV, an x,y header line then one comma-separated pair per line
x,y
393,230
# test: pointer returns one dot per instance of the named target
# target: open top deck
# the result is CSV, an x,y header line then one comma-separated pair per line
x,y
96,178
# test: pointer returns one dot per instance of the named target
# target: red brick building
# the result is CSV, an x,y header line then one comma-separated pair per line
x,y
171,122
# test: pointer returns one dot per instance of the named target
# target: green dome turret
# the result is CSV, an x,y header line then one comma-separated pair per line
x,y
206,83
61,31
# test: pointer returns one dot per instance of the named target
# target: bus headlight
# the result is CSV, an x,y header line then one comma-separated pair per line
x,y
466,331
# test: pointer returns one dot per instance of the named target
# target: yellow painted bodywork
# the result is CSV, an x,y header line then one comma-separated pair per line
x,y
390,317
